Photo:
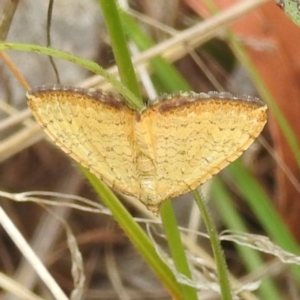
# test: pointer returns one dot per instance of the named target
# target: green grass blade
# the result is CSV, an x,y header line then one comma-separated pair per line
x,y
119,46
171,80
136,235
133,101
177,248
264,210
216,247
233,221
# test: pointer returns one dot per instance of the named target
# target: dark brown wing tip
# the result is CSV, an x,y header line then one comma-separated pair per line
x,y
182,98
110,98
